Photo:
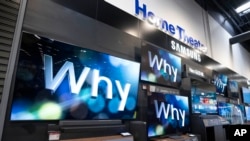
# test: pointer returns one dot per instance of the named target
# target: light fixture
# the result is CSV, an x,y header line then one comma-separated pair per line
x,y
243,7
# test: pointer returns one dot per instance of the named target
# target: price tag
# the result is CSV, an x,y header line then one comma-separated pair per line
x,y
54,136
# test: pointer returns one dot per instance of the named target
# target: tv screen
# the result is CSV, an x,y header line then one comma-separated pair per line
x,y
59,81
245,95
225,110
168,114
204,103
247,111
220,82
233,89
160,67
238,114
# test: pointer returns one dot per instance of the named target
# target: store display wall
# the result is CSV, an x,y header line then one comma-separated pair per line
x,y
95,25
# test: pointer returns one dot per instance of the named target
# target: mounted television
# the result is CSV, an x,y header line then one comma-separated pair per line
x,y
233,89
220,82
59,81
168,114
247,112
245,95
225,110
203,102
160,67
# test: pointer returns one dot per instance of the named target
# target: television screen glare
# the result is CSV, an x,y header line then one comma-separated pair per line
x,y
168,114
59,81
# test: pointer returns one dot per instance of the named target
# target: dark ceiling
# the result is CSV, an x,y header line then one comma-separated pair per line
x,y
224,12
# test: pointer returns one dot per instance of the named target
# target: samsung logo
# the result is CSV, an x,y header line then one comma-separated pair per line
x,y
195,55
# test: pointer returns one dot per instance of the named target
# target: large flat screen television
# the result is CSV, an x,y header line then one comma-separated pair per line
x,y
203,102
59,81
168,114
245,95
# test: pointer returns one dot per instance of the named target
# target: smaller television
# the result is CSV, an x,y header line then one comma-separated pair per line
x,y
233,89
247,112
203,102
168,115
238,114
225,110
245,95
220,82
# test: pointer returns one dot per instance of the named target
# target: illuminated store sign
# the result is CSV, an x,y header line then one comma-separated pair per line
x,y
142,11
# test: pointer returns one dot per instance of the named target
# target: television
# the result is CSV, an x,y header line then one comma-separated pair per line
x,y
233,89
247,112
158,66
238,114
168,115
220,82
203,102
245,95
59,81
225,110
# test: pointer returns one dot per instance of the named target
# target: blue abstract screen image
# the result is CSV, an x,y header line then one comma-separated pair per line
x,y
167,114
57,81
160,67
247,112
238,114
225,110
203,101
245,95
220,82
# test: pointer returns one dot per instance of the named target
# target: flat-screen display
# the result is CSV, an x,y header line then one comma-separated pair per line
x,y
160,67
245,95
220,82
204,103
247,111
233,89
238,114
167,114
225,110
59,81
